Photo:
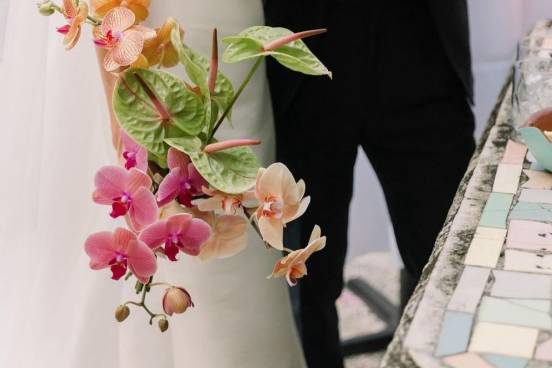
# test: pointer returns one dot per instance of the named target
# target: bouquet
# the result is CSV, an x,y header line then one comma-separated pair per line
x,y
182,191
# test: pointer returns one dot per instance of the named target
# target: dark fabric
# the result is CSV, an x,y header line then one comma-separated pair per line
x,y
396,94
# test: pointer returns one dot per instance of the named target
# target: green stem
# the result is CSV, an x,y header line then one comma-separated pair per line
x,y
237,95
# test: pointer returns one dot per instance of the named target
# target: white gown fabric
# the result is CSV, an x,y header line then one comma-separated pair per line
x,y
55,311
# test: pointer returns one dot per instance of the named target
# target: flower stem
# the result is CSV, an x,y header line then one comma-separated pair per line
x,y
237,95
142,303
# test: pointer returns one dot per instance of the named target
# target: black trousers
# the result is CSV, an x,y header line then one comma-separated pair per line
x,y
395,95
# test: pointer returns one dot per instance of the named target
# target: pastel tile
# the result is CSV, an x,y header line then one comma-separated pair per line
x,y
464,360
530,235
535,166
536,196
538,179
532,211
455,333
489,233
509,284
501,339
501,361
516,260
484,252
515,153
530,157
496,210
515,312
469,289
544,351
507,178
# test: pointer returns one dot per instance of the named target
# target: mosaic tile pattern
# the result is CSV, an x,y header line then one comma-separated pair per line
x,y
500,313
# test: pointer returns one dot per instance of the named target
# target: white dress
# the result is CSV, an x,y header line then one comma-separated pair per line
x,y
55,311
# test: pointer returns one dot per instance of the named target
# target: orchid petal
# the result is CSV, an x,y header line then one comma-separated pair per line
x,y
272,231
118,20
129,47
209,204
196,179
140,11
179,223
136,180
175,159
110,183
72,37
196,234
229,237
277,180
155,235
169,187
109,64
143,210
298,211
100,248
141,260
69,8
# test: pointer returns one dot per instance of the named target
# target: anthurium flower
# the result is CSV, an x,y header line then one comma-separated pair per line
x,y
230,204
75,16
293,266
138,7
128,192
179,232
183,181
176,300
281,201
160,50
124,41
120,250
228,237
134,154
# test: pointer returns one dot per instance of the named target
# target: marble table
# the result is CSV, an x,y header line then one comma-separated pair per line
x,y
485,297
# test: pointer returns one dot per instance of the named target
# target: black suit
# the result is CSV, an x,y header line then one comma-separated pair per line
x,y
402,82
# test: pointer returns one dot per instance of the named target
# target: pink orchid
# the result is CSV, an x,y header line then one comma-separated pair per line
x,y
128,192
179,233
134,154
228,238
123,40
281,201
293,266
182,182
75,16
121,250
230,204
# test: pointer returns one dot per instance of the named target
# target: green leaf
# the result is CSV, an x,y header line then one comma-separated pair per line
x,y
197,68
295,55
138,99
232,171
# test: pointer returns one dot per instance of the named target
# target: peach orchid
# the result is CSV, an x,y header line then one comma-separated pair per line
x,y
281,201
228,236
293,266
121,38
230,204
160,51
75,16
138,7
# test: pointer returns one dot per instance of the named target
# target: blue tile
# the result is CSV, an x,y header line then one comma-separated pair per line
x,y
496,210
501,361
455,333
532,211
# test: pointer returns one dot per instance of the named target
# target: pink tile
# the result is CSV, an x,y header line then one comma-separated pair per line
x,y
464,360
544,351
515,153
531,235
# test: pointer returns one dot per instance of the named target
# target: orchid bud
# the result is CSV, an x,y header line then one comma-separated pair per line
x,y
46,8
121,313
163,325
176,300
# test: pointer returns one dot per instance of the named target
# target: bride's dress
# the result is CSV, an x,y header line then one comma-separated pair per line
x,y
55,311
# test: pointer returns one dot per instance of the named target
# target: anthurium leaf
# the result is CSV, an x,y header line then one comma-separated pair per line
x,y
197,67
294,55
152,105
233,170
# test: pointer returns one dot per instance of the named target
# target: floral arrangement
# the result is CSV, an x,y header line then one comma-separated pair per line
x,y
180,189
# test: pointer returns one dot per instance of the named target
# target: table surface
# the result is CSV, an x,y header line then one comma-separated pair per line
x,y
484,299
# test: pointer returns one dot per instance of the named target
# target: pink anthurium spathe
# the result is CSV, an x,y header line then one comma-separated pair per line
x,y
183,181
134,154
293,266
75,16
123,40
179,232
121,250
127,192
281,201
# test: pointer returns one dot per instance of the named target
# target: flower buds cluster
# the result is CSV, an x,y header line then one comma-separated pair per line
x,y
121,313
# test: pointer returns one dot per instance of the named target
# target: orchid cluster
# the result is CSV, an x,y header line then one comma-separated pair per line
x,y
181,191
